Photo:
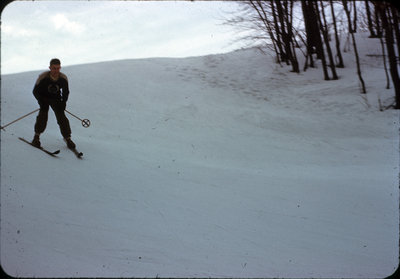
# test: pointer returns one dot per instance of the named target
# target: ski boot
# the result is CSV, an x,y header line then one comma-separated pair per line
x,y
70,143
36,141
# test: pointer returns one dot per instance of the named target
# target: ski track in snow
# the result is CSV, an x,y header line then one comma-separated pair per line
x,y
217,166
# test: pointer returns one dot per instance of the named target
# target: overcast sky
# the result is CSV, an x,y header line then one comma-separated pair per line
x,y
78,32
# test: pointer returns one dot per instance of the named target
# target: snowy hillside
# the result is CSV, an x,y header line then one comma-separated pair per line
x,y
217,166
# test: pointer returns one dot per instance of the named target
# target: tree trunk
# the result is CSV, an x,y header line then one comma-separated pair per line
x,y
324,32
278,35
355,17
369,20
346,9
377,22
308,28
386,25
340,64
384,64
282,31
289,24
320,46
395,26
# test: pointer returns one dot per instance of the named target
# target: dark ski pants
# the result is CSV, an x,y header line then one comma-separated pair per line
x,y
58,108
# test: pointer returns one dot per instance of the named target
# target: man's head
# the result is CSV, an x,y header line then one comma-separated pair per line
x,y
55,66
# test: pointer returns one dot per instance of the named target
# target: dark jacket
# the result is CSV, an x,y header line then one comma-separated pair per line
x,y
47,88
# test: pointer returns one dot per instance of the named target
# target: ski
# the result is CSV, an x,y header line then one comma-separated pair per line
x,y
76,152
41,148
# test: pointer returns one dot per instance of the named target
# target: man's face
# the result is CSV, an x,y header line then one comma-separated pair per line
x,y
55,70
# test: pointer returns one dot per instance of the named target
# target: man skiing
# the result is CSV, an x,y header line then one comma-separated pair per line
x,y
51,90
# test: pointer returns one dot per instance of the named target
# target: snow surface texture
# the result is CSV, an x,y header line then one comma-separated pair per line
x,y
216,166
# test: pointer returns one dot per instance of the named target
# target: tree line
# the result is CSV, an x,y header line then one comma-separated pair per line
x,y
314,28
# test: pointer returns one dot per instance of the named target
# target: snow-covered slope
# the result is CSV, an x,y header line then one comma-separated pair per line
x,y
216,166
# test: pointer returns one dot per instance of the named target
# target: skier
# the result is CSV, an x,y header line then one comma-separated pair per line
x,y
51,90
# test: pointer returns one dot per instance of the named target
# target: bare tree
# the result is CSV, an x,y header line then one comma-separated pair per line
x,y
313,33
284,29
309,31
347,11
271,24
369,20
384,9
340,63
395,24
324,30
262,15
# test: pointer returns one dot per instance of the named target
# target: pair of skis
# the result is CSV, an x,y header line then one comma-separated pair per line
x,y
54,153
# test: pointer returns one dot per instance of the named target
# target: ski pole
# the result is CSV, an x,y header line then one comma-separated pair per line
x,y
18,119
85,122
